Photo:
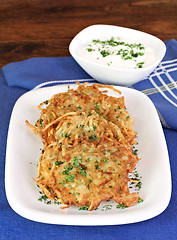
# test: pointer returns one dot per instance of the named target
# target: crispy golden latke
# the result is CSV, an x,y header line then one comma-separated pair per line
x,y
87,154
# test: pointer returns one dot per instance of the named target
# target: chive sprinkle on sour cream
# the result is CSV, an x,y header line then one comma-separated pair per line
x,y
118,52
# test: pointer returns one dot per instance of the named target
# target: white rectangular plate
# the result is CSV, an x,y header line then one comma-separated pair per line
x,y
23,151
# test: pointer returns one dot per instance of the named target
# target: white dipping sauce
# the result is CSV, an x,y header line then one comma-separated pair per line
x,y
116,52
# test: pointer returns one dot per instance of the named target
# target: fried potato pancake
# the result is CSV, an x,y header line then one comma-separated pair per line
x,y
87,154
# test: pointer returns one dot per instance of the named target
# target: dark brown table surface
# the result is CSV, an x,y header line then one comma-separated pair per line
x,y
44,28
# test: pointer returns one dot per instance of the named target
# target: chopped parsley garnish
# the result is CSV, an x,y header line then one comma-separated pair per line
x,y
67,136
76,164
57,203
105,53
41,122
58,163
82,172
138,185
140,200
90,49
97,167
93,137
106,207
89,113
135,152
90,181
114,46
70,178
43,197
140,65
97,106
67,169
63,184
121,206
84,208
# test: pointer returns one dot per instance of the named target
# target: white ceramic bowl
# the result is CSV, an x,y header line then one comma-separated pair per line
x,y
115,75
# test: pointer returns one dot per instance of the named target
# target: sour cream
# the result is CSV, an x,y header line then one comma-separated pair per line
x,y
116,52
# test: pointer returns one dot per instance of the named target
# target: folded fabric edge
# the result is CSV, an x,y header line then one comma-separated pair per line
x,y
63,82
163,120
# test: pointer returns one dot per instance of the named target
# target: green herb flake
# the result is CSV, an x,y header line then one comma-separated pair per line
x,y
90,49
82,172
57,203
70,178
140,200
97,167
105,53
140,65
89,113
41,122
90,181
67,169
121,206
106,207
63,184
76,164
43,197
84,208
132,51
58,163
138,185
135,152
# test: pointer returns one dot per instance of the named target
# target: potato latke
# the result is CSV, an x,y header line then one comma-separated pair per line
x,y
87,154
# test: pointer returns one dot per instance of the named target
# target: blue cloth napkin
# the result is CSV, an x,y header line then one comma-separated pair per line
x,y
20,77
43,71
160,86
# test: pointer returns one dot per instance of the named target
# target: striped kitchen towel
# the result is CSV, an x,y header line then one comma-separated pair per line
x,y
161,86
